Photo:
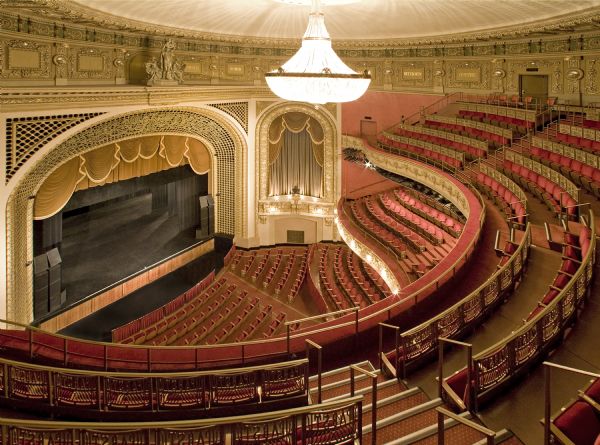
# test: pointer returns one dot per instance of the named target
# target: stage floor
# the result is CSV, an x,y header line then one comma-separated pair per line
x,y
111,242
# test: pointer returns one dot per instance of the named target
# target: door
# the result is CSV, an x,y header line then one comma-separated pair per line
x,y
368,130
534,86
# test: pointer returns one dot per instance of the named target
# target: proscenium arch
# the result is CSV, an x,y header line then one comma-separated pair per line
x,y
329,147
222,138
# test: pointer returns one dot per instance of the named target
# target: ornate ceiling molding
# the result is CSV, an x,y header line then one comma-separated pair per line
x,y
71,12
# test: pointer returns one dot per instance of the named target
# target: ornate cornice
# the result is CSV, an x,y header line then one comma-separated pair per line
x,y
71,12
13,99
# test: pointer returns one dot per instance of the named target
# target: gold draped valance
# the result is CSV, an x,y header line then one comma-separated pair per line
x,y
295,122
117,162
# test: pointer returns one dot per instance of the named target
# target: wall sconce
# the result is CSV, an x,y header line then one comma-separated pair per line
x,y
499,74
575,74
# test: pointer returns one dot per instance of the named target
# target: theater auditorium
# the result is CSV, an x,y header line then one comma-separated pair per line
x,y
299,222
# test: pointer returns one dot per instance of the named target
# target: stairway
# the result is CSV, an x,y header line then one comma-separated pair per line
x,y
404,415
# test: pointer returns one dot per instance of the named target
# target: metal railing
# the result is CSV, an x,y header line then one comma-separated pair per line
x,y
357,369
442,412
422,340
503,361
295,425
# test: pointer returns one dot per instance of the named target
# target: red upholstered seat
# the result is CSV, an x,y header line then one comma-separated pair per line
x,y
594,391
579,423
550,295
561,281
569,267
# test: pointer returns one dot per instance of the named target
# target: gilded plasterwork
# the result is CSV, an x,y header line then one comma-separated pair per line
x,y
230,149
24,59
330,146
25,136
237,110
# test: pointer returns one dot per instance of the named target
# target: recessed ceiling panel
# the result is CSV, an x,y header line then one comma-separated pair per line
x,y
345,19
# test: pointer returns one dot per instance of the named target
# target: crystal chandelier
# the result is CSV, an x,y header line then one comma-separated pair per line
x,y
316,74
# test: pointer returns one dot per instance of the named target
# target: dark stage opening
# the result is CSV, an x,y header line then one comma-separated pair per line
x,y
106,233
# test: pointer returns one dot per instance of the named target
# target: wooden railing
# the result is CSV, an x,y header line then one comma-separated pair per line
x,y
421,341
505,360
332,423
101,395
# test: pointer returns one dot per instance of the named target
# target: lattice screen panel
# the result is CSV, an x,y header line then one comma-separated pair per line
x,y
237,110
26,135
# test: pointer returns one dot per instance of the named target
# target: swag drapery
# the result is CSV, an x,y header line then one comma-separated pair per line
x,y
296,144
117,162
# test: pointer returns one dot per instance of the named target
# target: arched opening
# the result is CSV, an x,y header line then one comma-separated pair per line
x,y
228,150
296,155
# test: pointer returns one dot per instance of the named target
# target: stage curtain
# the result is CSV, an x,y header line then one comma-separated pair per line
x,y
98,164
296,166
198,156
57,189
172,148
296,144
117,162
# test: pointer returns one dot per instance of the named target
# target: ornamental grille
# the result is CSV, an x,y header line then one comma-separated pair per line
x,y
174,121
237,110
26,135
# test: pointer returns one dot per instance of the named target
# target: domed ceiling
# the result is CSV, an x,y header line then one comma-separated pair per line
x,y
345,19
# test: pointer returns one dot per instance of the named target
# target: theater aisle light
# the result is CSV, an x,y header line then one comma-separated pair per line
x,y
316,74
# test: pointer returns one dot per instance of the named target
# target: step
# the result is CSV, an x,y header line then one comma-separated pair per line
x,y
384,389
394,404
343,388
395,389
338,374
453,434
503,436
427,432
405,422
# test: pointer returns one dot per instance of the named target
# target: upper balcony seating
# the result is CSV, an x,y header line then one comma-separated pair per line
x,y
544,188
487,132
587,139
428,153
504,198
518,125
430,209
540,329
443,139
423,226
579,171
575,248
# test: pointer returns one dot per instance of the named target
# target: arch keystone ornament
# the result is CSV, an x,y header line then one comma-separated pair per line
x,y
228,147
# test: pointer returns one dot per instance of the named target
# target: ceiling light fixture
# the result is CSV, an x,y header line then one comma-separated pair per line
x,y
316,74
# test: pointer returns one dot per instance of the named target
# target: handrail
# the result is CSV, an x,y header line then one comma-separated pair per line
x,y
430,324
312,345
120,426
557,299
548,366
446,100
190,374
353,370
66,390
442,412
468,404
573,287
